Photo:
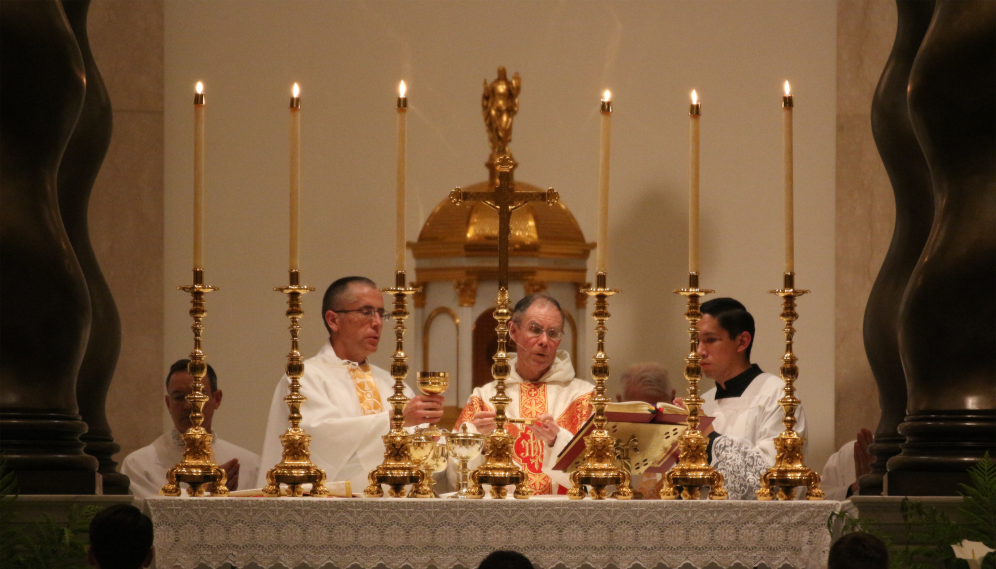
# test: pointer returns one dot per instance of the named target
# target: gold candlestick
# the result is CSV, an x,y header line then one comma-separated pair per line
x,y
693,471
295,467
398,468
789,470
600,467
197,467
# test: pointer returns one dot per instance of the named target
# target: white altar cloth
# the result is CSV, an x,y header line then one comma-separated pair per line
x,y
445,533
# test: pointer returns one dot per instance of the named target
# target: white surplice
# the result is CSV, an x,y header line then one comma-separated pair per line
x,y
558,393
749,423
839,474
344,441
147,466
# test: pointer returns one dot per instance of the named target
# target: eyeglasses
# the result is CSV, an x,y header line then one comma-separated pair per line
x,y
367,312
534,330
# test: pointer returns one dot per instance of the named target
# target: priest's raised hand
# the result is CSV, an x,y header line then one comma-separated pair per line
x,y
423,409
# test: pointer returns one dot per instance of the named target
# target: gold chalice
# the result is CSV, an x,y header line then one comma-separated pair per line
x,y
422,447
433,383
464,446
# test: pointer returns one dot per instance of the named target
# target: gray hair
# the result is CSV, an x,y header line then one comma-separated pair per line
x,y
646,382
523,305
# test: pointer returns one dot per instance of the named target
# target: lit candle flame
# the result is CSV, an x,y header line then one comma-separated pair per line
x,y
296,90
402,89
200,88
788,91
607,96
695,97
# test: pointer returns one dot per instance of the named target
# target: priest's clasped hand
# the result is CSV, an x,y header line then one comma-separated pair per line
x,y
544,427
423,409
231,469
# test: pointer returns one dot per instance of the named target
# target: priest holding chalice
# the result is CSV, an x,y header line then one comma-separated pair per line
x,y
549,404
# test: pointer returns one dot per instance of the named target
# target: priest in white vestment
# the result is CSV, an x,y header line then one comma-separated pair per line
x,y
744,401
543,389
347,411
147,466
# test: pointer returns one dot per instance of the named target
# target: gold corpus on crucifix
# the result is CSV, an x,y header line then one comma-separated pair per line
x,y
600,467
790,469
499,469
197,468
398,469
295,467
693,471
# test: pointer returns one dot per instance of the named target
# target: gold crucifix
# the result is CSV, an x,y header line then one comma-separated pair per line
x,y
498,468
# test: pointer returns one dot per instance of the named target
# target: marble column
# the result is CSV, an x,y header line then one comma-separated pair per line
x,y
910,178
80,164
44,303
947,322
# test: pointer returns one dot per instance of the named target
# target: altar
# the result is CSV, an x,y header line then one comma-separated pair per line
x,y
448,534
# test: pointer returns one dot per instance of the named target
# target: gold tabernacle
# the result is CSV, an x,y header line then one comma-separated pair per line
x,y
197,468
600,467
398,469
295,467
693,471
790,469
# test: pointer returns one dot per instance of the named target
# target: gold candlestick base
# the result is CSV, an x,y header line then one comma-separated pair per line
x,y
693,471
398,469
197,468
295,467
600,467
790,470
499,468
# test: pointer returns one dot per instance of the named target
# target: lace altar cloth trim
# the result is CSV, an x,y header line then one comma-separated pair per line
x,y
445,533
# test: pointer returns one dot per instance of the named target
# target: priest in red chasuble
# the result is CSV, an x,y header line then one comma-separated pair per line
x,y
545,394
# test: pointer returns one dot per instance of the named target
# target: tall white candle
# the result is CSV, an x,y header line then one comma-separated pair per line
x,y
402,165
199,177
694,113
295,177
605,140
789,197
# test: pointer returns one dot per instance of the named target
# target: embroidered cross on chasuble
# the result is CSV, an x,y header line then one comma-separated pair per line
x,y
366,388
528,448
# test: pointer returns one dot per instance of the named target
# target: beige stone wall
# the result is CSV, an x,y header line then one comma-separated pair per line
x,y
126,208
865,206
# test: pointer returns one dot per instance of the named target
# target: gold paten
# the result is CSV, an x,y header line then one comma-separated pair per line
x,y
398,469
295,467
197,468
599,468
464,446
499,469
693,471
790,469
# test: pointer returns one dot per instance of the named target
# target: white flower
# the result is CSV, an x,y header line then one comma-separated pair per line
x,y
971,551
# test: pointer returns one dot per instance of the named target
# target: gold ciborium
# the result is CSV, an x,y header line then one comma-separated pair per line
x,y
431,458
464,446
433,383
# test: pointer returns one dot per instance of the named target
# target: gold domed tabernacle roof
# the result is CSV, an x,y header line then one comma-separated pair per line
x,y
471,230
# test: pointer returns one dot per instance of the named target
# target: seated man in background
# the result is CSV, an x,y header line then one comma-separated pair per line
x,y
744,401
543,390
347,411
147,466
120,538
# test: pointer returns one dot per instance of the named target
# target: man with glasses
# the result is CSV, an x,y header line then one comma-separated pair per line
x,y
548,403
347,411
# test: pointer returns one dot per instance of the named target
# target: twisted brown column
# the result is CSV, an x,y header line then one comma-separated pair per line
x,y
44,303
947,323
914,197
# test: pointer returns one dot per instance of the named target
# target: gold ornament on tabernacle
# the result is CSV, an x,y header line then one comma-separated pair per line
x,y
693,471
600,467
197,468
295,467
399,467
790,470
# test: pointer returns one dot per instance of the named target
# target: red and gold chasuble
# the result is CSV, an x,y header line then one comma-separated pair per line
x,y
529,450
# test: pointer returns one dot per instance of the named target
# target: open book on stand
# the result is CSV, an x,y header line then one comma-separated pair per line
x,y
655,429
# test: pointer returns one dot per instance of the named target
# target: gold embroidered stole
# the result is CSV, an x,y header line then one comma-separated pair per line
x,y
366,388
